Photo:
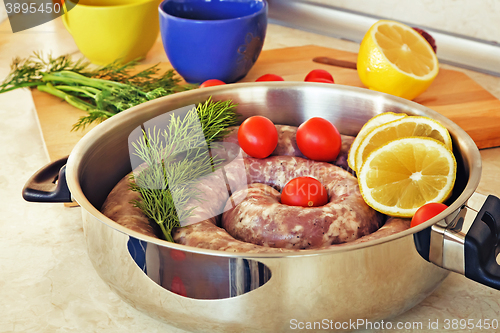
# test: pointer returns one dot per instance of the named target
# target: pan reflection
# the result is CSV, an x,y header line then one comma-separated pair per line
x,y
193,275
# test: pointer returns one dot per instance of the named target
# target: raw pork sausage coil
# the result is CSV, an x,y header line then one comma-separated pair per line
x,y
254,221
260,218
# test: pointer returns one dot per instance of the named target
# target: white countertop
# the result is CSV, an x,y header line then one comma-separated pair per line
x,y
47,282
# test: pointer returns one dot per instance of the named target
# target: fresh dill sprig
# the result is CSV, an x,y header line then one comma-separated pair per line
x,y
175,158
94,116
102,91
216,116
166,187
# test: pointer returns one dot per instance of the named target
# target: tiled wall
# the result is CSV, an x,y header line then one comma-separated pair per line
x,y
474,18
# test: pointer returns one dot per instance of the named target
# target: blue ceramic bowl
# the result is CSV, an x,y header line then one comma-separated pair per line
x,y
213,39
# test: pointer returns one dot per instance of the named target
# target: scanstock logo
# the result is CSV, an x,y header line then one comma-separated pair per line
x,y
26,14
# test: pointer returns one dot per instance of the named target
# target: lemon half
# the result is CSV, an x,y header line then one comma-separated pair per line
x,y
394,58
402,175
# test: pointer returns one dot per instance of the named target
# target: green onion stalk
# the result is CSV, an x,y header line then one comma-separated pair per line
x,y
101,92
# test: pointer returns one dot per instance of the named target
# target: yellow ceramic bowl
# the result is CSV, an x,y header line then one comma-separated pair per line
x,y
108,30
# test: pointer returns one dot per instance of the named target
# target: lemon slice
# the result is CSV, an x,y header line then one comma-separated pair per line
x,y
407,173
395,59
367,127
404,127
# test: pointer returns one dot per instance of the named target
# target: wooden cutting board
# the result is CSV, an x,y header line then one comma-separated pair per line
x,y
453,94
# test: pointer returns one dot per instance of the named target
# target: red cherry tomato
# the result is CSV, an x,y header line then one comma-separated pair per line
x,y
319,140
318,79
319,74
270,77
211,83
178,286
426,212
305,192
258,136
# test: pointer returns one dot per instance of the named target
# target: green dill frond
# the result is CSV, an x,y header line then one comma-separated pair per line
x,y
217,117
175,158
95,116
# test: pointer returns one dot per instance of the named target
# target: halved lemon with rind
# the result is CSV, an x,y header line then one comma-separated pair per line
x,y
394,58
367,127
403,175
400,128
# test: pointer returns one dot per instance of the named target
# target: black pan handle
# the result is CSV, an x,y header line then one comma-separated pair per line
x,y
482,245
467,242
48,184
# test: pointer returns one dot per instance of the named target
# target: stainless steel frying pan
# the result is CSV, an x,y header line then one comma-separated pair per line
x,y
235,292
